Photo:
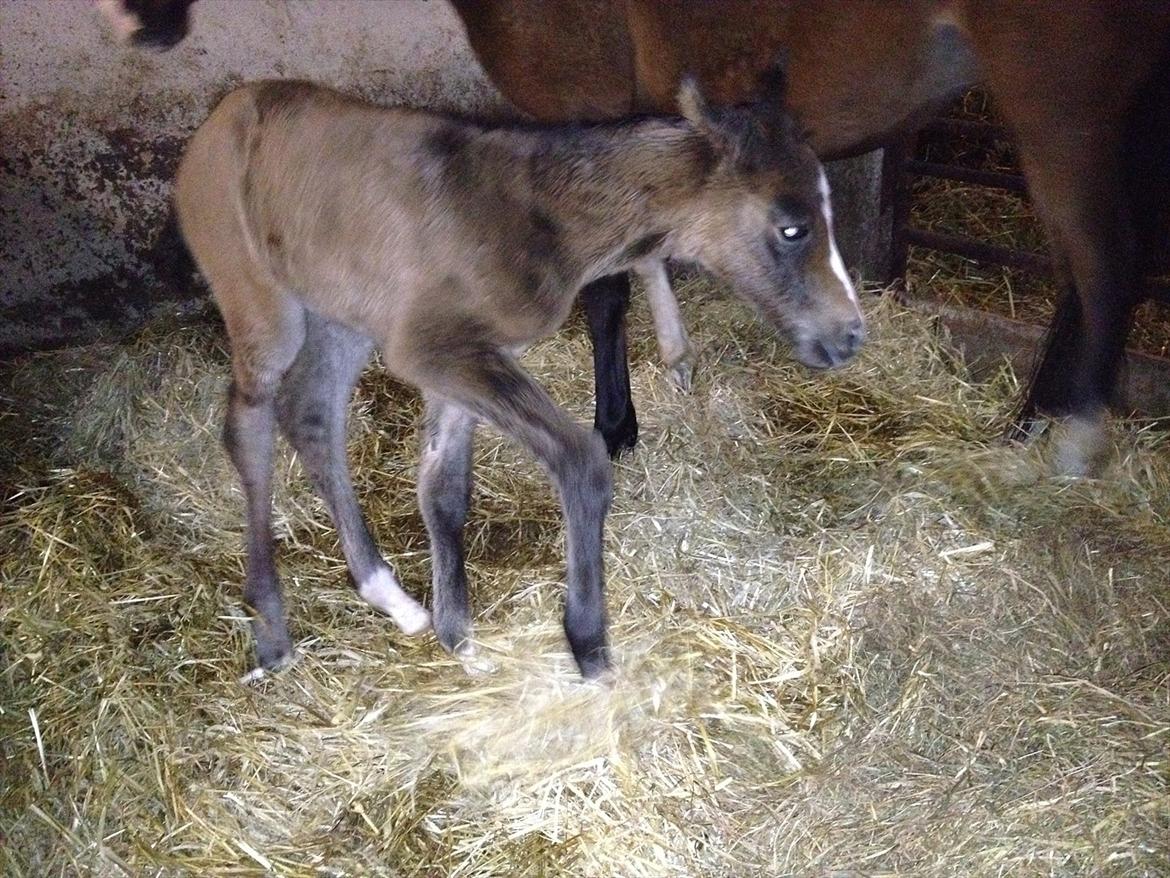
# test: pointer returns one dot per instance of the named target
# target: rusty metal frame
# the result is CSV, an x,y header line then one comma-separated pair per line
x,y
902,167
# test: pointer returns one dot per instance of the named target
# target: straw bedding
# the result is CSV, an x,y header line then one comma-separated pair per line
x,y
855,634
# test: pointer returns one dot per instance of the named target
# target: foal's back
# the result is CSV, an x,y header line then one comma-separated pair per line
x,y
354,211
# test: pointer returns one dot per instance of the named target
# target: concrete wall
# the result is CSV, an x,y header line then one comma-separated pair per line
x,y
90,133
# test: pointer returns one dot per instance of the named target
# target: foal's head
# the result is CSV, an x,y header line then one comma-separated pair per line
x,y
763,222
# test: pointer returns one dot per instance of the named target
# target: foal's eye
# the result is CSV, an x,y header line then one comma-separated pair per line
x,y
793,233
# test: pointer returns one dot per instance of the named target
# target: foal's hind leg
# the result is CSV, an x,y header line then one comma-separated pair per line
x,y
311,408
492,385
265,336
606,302
444,494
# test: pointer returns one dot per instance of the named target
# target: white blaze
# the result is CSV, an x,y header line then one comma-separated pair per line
x,y
835,260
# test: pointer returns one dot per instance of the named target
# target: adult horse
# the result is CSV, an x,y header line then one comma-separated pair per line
x,y
1083,84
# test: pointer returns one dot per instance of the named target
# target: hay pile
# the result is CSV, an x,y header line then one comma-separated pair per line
x,y
856,636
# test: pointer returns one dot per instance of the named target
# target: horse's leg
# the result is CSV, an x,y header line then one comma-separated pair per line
x,y
673,342
444,494
1078,189
1050,389
265,338
311,408
1070,109
492,386
606,302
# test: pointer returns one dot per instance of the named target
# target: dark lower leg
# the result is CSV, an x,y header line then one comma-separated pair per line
x,y
312,407
606,302
585,488
1051,389
444,494
493,387
248,434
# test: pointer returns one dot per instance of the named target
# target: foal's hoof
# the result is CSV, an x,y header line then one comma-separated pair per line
x,y
474,664
382,592
594,664
274,649
682,374
272,656
413,620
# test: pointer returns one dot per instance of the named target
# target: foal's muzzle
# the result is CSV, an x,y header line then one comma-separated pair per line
x,y
828,350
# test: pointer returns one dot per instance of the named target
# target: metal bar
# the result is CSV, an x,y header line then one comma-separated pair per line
x,y
967,128
994,179
1034,263
896,188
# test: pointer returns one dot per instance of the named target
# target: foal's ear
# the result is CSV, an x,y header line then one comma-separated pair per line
x,y
692,104
694,107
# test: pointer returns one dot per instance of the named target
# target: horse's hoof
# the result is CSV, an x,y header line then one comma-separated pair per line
x,y
1079,446
383,592
593,662
274,649
271,659
474,664
619,437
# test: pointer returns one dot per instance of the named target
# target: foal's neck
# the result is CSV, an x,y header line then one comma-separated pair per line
x,y
621,189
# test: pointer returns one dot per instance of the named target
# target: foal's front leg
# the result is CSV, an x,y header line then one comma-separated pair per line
x,y
444,494
492,386
606,302
673,342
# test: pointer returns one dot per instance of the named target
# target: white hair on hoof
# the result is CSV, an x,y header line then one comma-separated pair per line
x,y
474,663
125,24
382,592
259,673
1079,445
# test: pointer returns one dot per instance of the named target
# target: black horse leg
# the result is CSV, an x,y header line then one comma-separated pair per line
x,y
606,302
1051,389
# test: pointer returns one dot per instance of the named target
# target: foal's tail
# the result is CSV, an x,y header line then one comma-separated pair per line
x,y
209,185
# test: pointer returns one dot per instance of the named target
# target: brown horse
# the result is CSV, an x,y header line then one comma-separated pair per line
x,y
1083,84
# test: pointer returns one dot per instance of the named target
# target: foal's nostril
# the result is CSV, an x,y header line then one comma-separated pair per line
x,y
854,336
824,355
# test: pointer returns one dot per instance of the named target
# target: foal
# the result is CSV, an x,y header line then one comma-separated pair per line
x,y
327,226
